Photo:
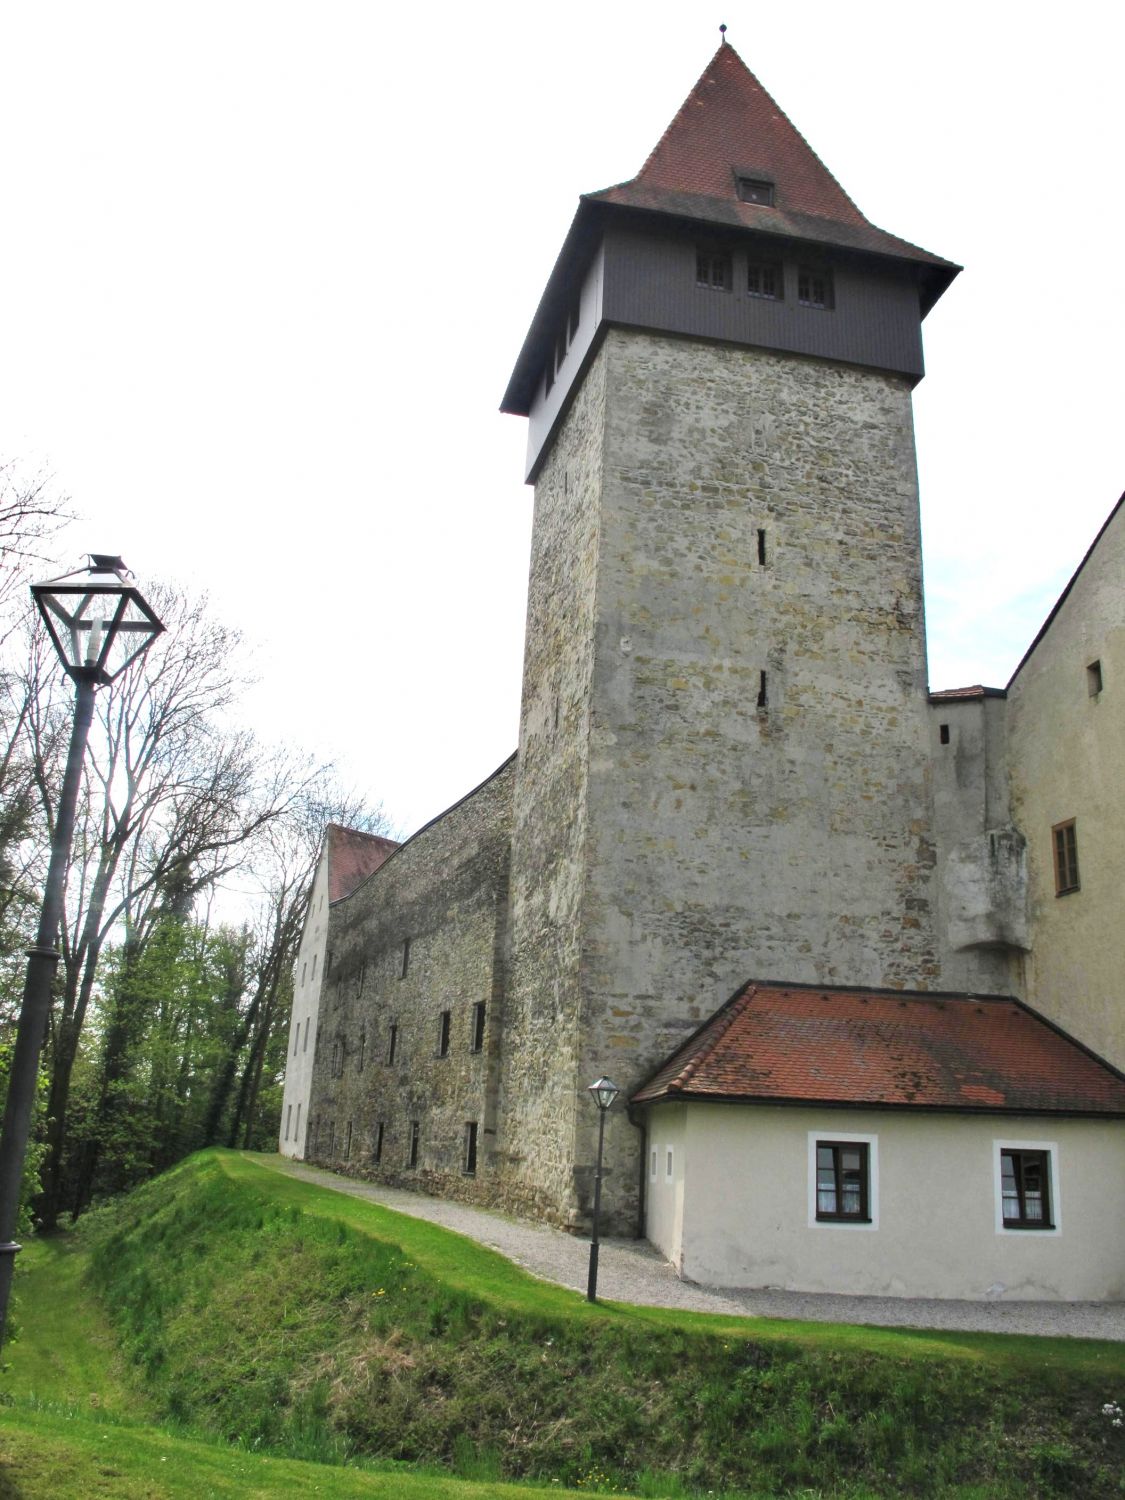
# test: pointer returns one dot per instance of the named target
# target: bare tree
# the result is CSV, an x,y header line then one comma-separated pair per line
x,y
171,799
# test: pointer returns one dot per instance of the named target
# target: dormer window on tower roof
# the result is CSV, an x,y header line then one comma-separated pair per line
x,y
755,190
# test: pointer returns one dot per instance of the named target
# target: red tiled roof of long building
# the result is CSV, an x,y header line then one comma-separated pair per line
x,y
352,857
794,1043
730,125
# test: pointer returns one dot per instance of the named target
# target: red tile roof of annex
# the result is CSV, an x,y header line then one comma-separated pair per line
x,y
730,125
352,857
794,1044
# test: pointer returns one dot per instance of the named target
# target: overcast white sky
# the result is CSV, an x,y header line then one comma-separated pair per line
x,y
266,267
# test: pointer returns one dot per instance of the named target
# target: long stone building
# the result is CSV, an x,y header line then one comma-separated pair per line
x,y
731,772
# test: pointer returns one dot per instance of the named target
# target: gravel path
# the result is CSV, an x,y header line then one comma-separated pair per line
x,y
632,1271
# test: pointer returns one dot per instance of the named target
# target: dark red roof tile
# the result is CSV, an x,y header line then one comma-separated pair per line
x,y
793,1043
352,857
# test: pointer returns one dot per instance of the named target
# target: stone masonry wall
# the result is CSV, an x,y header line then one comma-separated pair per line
x,y
445,892
758,801
544,1009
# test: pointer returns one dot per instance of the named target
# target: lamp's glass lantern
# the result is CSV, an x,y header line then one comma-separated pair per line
x,y
604,1092
98,620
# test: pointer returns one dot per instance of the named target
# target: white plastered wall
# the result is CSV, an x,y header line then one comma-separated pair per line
x,y
741,1211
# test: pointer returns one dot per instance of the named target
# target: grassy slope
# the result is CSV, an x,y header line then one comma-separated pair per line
x,y
73,1428
318,1324
309,1322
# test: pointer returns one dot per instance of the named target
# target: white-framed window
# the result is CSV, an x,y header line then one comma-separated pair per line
x,y
843,1174
667,1164
1025,1177
652,1155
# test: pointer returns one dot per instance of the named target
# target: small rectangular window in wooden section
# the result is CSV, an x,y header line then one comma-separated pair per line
x,y
714,269
814,289
764,280
415,1134
470,1148
1064,837
443,1034
476,1034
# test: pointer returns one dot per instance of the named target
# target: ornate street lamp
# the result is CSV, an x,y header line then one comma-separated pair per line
x,y
604,1093
99,623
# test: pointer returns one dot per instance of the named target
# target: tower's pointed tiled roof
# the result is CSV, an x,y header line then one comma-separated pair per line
x,y
729,127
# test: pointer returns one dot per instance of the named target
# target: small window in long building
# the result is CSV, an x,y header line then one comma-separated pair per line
x,y
405,957
305,1043
764,280
348,1142
331,1136
315,957
377,1143
1094,678
1064,836
470,1148
392,1041
814,289
288,1114
443,1034
943,733
1025,1191
714,269
763,699
415,1135
652,1164
476,1033
668,1164
842,1180
297,1128
362,1051
761,546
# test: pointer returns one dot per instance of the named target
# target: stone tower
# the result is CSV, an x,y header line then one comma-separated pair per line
x,y
724,750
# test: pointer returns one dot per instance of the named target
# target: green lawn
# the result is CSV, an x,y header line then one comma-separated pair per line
x,y
295,1340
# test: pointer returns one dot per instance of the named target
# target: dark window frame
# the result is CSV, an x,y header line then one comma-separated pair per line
x,y
392,1043
1094,679
415,1140
1064,849
816,288
469,1161
444,1027
765,280
714,269
752,189
1026,1160
377,1143
839,1215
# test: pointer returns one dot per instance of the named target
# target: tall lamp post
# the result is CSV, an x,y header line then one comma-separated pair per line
x,y
604,1093
99,623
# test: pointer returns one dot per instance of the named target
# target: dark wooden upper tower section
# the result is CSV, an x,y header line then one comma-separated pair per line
x,y
735,230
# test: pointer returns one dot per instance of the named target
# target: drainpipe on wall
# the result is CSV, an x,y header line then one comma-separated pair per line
x,y
642,1126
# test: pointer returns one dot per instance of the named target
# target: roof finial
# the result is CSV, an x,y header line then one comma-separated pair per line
x,y
723,33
